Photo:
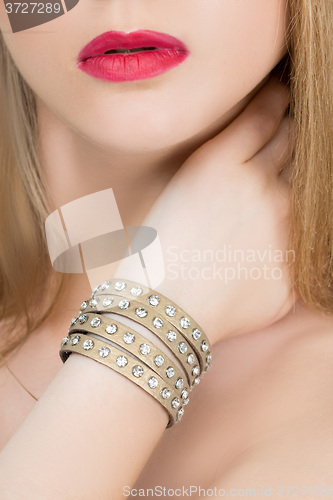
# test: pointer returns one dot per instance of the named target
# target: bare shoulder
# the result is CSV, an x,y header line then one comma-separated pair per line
x,y
295,461
312,348
298,462
296,456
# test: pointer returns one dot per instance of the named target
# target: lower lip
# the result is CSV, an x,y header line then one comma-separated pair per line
x,y
135,66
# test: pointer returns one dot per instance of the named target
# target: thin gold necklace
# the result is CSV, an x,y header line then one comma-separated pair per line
x,y
17,380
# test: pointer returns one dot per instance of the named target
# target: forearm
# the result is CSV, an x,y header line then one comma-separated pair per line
x,y
89,435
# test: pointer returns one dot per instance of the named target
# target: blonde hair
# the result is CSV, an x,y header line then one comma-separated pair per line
x,y
25,269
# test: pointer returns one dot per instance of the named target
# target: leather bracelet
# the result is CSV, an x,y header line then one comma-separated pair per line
x,y
135,371
89,332
177,343
165,309
131,341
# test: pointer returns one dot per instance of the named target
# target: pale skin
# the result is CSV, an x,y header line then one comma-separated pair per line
x,y
262,414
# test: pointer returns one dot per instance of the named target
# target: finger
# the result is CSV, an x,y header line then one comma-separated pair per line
x,y
257,124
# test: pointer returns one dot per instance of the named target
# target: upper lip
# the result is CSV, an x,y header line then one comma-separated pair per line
x,y
135,39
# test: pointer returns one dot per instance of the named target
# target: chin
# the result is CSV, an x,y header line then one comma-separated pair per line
x,y
130,134
129,141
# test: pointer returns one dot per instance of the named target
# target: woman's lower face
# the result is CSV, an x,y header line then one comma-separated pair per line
x,y
231,47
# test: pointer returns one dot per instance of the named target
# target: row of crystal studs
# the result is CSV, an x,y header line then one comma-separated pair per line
x,y
141,312
153,300
129,339
137,370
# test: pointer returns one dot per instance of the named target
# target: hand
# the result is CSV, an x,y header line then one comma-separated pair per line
x,y
228,195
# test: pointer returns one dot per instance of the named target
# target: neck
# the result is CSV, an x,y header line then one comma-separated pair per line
x,y
73,166
80,167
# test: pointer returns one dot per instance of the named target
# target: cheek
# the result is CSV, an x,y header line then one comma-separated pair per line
x,y
34,53
242,42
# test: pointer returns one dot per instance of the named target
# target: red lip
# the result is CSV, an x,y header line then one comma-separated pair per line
x,y
135,65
